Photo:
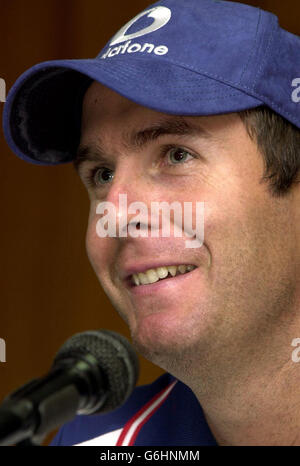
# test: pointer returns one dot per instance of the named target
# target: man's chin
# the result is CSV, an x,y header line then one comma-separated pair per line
x,y
164,347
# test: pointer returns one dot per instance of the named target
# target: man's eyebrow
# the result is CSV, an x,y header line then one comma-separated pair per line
x,y
138,140
88,154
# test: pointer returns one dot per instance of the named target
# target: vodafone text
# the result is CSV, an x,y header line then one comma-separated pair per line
x,y
127,48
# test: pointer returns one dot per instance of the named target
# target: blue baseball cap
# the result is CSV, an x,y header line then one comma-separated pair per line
x,y
180,57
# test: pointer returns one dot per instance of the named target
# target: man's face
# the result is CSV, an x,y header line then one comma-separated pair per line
x,y
246,269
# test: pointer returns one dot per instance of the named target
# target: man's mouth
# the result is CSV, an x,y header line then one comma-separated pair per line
x,y
160,273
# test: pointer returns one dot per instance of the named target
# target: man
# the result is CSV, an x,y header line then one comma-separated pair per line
x,y
193,101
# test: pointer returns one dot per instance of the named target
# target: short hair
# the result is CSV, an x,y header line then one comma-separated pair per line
x,y
279,142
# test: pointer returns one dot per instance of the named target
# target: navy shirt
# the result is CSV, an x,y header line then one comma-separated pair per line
x,y
164,413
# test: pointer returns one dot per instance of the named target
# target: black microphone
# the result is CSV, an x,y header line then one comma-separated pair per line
x,y
93,372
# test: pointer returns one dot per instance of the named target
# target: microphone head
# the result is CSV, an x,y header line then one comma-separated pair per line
x,y
116,360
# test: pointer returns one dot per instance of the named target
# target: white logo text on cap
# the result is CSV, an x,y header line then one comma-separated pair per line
x,y
161,16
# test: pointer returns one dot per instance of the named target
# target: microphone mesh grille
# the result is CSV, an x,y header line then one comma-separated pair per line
x,y
115,356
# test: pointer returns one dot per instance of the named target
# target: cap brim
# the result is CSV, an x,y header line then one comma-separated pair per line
x,y
42,113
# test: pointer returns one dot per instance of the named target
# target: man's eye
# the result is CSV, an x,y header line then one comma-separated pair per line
x,y
99,176
175,155
178,155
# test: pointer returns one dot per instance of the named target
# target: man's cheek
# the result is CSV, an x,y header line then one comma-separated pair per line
x,y
100,251
94,246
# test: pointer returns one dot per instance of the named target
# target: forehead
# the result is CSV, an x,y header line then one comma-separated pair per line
x,y
100,101
103,108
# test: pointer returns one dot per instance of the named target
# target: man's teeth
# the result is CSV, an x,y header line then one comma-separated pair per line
x,y
153,275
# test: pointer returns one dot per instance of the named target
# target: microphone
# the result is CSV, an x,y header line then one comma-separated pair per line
x,y
93,372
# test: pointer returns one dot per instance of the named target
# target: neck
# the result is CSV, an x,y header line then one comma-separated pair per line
x,y
264,411
255,402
